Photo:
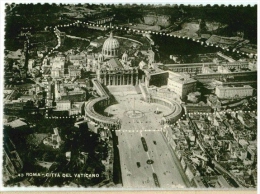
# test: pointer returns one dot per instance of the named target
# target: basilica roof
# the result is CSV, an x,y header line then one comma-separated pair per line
x,y
115,63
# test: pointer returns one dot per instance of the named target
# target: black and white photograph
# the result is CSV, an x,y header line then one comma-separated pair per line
x,y
119,96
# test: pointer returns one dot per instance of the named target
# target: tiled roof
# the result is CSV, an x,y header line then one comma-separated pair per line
x,y
115,63
17,123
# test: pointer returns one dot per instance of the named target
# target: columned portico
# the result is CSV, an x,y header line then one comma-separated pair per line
x,y
118,79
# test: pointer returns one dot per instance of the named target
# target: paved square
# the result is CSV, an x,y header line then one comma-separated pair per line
x,y
146,124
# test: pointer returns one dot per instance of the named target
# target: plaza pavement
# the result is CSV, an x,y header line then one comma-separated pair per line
x,y
131,149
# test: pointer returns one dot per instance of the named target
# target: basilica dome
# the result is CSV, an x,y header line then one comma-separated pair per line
x,y
110,47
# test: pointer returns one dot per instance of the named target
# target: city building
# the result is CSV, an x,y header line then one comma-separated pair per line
x,y
77,59
74,72
65,91
77,108
194,97
223,92
207,70
252,66
199,107
54,66
18,124
76,95
217,181
198,182
56,72
154,75
97,43
63,105
12,163
54,141
181,85
214,102
31,64
223,69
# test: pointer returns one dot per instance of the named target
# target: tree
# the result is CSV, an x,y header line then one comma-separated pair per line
x,y
29,104
203,26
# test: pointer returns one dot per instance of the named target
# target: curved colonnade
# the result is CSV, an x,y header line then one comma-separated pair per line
x,y
176,108
102,101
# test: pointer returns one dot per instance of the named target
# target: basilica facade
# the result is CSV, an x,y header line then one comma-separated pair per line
x,y
110,68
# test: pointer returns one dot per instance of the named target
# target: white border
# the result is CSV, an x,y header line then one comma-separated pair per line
x,y
163,2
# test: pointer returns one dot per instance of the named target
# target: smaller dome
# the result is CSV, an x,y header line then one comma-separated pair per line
x,y
125,57
100,56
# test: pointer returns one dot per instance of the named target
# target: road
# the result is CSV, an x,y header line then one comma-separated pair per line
x,y
131,149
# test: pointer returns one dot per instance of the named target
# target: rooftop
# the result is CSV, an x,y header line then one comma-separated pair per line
x,y
183,80
115,63
14,54
17,123
63,101
227,87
